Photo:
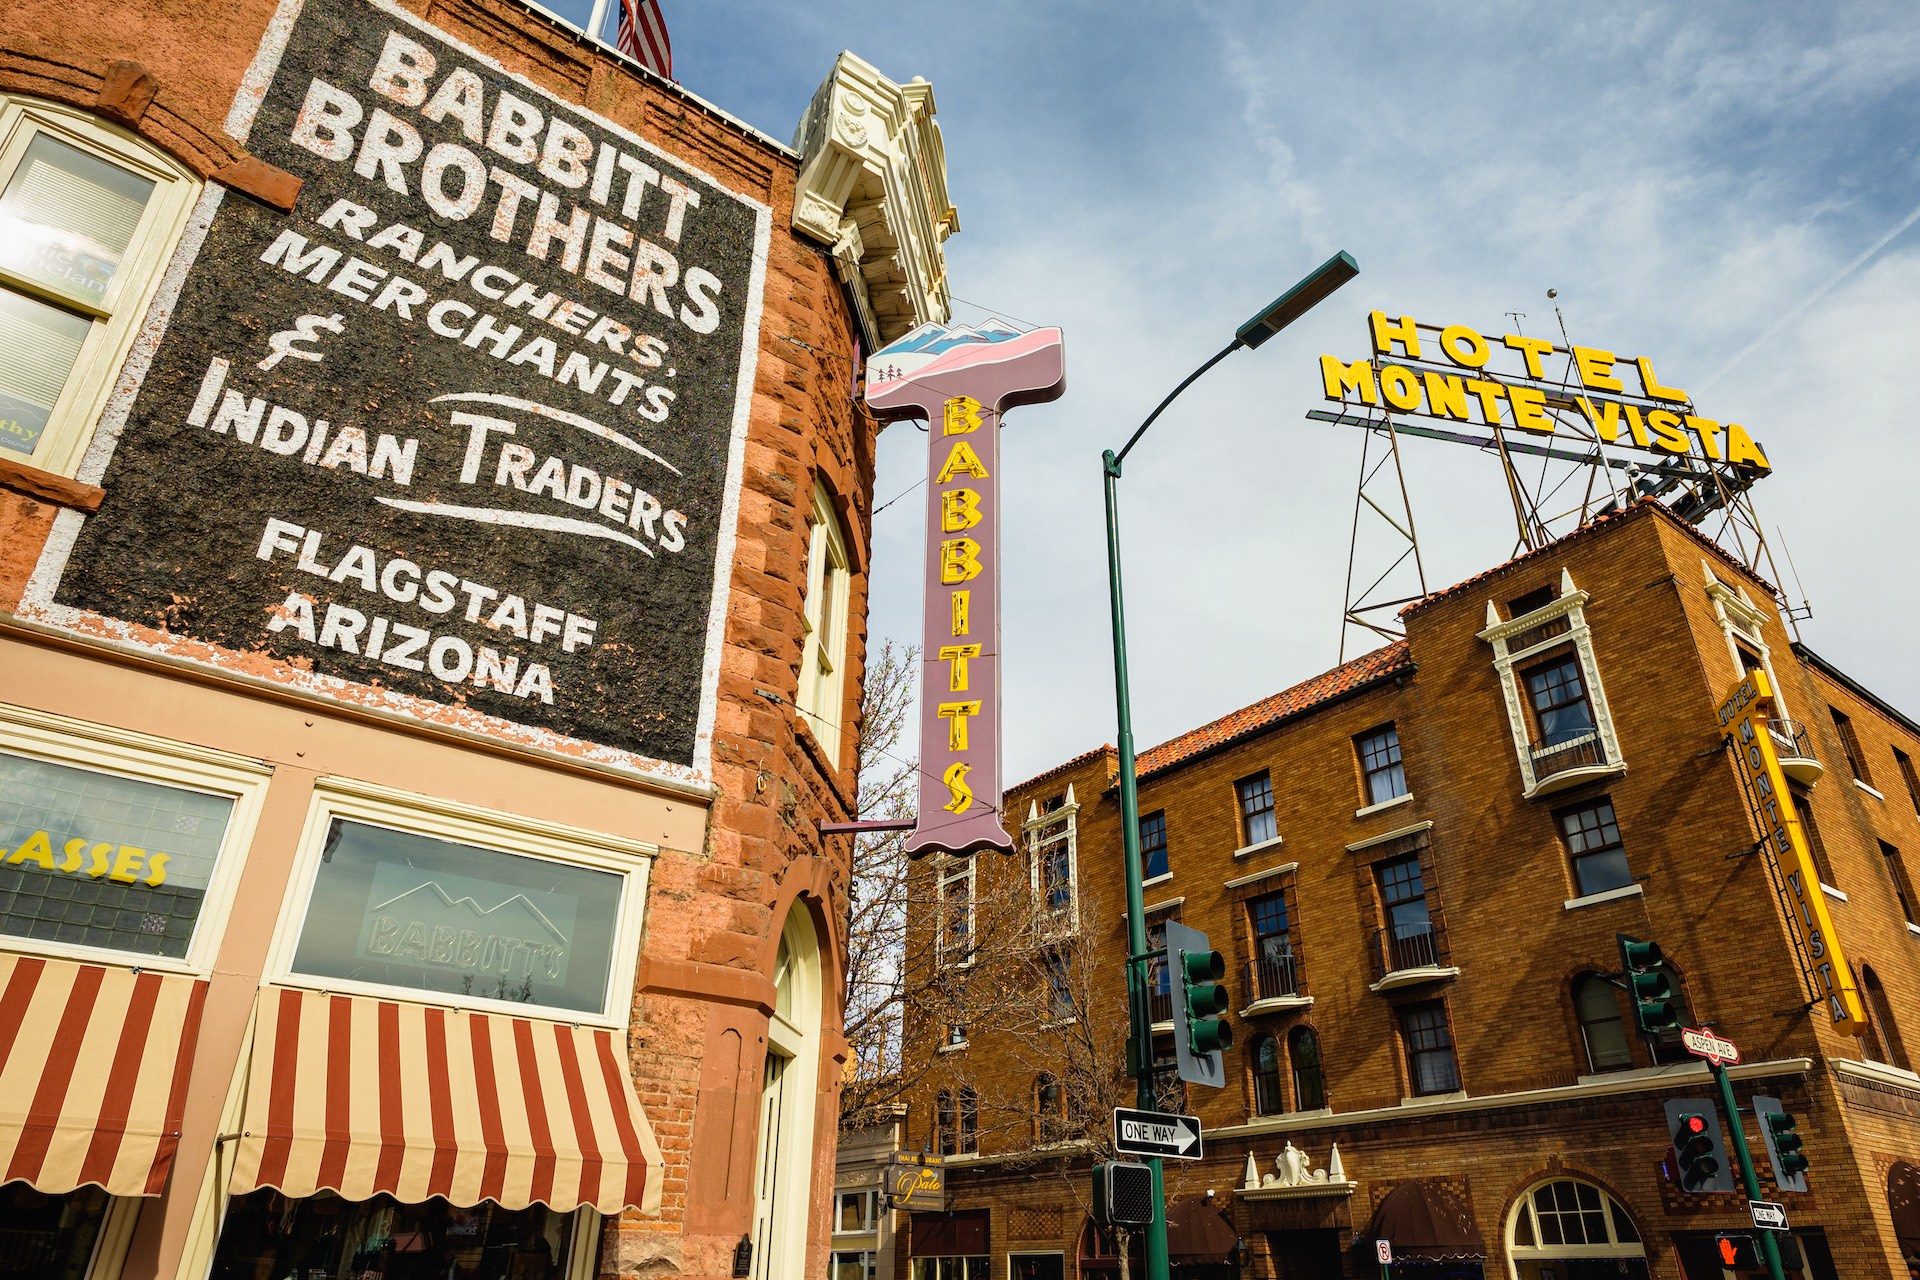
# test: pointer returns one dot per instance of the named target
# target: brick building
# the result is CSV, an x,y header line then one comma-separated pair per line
x,y
1417,864
433,535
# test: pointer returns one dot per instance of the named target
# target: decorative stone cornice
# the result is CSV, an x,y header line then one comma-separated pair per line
x,y
873,189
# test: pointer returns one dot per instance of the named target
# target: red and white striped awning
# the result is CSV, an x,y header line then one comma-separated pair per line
x,y
360,1096
93,1073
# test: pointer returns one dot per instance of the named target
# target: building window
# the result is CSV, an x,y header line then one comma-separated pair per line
x,y
1273,965
1816,847
823,652
90,220
1256,809
1049,1109
953,945
1558,697
857,1264
1575,1228
1430,1063
1897,875
1159,978
969,1121
1602,1030
1593,842
956,1035
1410,941
1052,847
1060,1004
1384,777
1309,1081
1883,1042
854,1211
1264,1053
958,1267
1904,763
1153,845
943,1131
1850,743
1169,1090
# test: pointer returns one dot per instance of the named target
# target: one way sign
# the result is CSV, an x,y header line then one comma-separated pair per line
x,y
1156,1133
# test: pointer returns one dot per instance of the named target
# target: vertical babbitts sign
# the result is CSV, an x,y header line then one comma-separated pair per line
x,y
960,379
459,437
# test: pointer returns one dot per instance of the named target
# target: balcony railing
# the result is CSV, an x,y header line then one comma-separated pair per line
x,y
1558,753
1159,1003
1410,948
1794,746
1272,977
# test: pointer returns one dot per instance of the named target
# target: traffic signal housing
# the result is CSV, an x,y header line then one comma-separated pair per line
x,y
1699,1152
1785,1148
1122,1193
1200,1031
1643,967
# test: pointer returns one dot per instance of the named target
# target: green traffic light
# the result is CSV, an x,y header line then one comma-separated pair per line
x,y
1789,1148
1645,968
1204,966
1209,1035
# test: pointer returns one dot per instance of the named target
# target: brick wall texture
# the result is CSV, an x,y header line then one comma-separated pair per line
x,y
1498,876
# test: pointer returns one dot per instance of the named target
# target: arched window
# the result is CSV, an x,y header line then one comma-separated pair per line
x,y
1882,1041
1049,1104
92,217
1565,1220
1309,1081
787,1097
824,614
1666,1047
969,1120
1602,1029
1264,1053
943,1133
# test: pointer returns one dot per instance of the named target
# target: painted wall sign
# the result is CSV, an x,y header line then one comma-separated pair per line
x,y
1744,716
961,379
461,436
1456,374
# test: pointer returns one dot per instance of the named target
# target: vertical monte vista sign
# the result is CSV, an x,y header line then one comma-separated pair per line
x,y
461,436
960,379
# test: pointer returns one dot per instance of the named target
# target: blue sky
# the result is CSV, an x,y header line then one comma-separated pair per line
x,y
1689,178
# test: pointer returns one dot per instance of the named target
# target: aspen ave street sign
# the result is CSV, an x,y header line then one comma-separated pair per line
x,y
1704,1044
1156,1133
1767,1215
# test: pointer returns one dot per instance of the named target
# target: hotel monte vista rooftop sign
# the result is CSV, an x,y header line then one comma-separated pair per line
x,y
961,379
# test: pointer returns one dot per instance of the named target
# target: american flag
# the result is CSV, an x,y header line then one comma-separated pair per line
x,y
643,36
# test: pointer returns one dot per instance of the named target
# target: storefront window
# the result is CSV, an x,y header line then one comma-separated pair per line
x,y
45,1237
415,912
270,1237
95,860
954,1268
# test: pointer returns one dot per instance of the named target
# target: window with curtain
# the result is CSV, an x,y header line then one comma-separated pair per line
x,y
1255,795
1431,1067
1309,1080
1384,776
88,219
1603,1029
1264,1053
1598,856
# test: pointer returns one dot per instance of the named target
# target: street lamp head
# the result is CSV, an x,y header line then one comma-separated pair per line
x,y
1299,300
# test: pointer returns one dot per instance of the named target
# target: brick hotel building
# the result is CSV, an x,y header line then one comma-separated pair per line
x,y
433,535
1417,864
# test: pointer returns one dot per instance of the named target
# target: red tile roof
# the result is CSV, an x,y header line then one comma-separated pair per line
x,y
1104,749
1330,685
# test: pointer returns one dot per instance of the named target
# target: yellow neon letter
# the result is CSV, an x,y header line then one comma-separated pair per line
x,y
1387,332
1530,349
128,863
958,607
956,779
959,560
1743,449
1709,432
1605,418
1338,378
1596,369
958,654
956,715
959,509
962,416
1446,396
1529,409
157,869
1668,433
37,847
962,458
1489,394
1465,346
1651,385
1400,387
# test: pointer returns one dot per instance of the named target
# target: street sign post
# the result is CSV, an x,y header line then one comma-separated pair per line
x,y
1767,1215
1156,1133
1704,1044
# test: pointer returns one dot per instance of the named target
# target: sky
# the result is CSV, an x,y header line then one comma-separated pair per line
x,y
1733,189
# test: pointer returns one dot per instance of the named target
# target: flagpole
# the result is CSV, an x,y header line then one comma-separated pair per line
x,y
597,24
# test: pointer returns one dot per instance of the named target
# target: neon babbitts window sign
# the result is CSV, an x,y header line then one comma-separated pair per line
x,y
961,379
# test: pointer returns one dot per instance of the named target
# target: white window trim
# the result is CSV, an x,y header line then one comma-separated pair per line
x,y
951,870
118,317
1571,603
1257,876
1605,895
821,696
1869,789
444,819
1248,850
1368,810
1740,619
1038,828
1612,1248
127,754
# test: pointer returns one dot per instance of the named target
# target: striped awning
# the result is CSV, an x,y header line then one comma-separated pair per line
x,y
360,1096
93,1073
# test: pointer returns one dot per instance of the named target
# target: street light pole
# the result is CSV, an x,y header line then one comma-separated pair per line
x,y
1284,310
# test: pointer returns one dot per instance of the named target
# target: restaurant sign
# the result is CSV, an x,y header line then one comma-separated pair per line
x,y
460,437
960,379
1746,717
917,1186
1457,374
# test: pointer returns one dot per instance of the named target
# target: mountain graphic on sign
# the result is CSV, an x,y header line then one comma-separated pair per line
x,y
475,908
936,348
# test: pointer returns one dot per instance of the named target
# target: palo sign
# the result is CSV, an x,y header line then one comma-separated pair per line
x,y
961,379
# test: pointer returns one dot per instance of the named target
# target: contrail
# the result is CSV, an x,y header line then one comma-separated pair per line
x,y
1795,312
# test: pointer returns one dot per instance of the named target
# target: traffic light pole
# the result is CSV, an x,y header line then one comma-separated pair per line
x,y
1769,1248
1139,1018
